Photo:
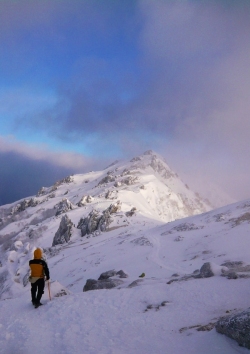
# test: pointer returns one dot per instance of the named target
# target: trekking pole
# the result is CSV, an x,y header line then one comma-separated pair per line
x,y
49,290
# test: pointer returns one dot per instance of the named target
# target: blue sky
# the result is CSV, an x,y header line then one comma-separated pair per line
x,y
85,82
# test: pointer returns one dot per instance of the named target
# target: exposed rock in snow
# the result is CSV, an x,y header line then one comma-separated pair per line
x,y
45,190
89,224
233,265
232,275
111,273
42,191
135,283
96,221
108,274
64,232
92,284
24,205
84,200
206,271
142,241
115,208
131,212
104,281
235,270
129,180
111,194
184,227
66,180
242,218
161,168
63,206
122,274
106,179
236,327
33,202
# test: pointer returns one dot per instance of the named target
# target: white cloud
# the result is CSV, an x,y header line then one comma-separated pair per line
x,y
36,152
200,52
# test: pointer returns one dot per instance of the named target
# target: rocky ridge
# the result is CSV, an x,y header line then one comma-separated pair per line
x,y
130,213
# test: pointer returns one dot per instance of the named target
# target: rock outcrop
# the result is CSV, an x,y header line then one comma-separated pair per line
x,y
89,224
205,271
104,281
44,190
236,327
93,284
111,273
96,221
131,212
107,179
64,232
26,203
108,274
63,206
84,200
236,269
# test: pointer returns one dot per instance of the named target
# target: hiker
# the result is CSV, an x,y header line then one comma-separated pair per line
x,y
39,271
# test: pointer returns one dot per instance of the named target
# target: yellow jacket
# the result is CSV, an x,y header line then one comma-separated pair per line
x,y
38,266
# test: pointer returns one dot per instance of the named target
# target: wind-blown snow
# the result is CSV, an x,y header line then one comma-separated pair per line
x,y
158,315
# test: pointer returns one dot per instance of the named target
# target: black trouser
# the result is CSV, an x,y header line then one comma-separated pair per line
x,y
37,290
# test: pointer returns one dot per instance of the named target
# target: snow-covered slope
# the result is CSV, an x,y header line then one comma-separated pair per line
x,y
169,310
146,182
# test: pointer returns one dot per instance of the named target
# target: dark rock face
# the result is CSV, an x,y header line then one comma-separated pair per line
x,y
97,222
84,200
93,284
232,264
63,206
122,274
66,180
232,275
106,275
236,327
89,224
135,283
131,212
130,180
104,281
111,273
206,271
42,191
64,232
26,203
106,179
236,269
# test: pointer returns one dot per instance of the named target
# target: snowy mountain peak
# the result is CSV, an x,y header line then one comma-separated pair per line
x,y
145,183
95,202
114,229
